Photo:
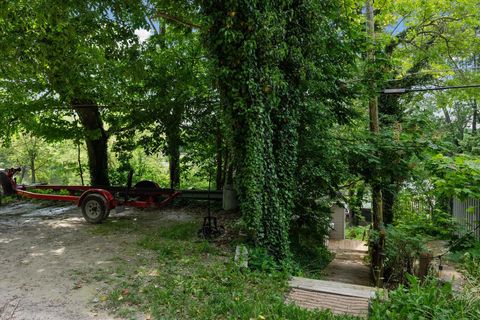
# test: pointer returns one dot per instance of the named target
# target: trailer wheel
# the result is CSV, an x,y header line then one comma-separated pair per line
x,y
94,208
147,185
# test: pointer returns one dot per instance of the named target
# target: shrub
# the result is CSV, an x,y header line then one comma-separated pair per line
x,y
402,248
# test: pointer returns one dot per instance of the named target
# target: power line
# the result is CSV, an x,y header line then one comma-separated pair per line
x,y
452,70
407,90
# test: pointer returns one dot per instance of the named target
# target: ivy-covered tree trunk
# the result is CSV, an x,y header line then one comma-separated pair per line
x,y
258,49
96,140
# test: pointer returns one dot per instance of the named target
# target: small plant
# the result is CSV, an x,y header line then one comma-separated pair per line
x,y
261,260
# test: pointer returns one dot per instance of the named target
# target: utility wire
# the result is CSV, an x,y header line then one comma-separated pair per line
x,y
407,90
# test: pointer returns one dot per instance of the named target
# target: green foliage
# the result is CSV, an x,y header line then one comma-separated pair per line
x,y
467,250
419,211
54,162
75,56
428,300
457,176
251,93
438,224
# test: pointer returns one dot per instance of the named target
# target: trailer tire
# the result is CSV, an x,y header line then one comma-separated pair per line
x,y
94,208
6,184
147,185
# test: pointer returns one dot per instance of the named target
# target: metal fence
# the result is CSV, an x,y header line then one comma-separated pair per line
x,y
467,214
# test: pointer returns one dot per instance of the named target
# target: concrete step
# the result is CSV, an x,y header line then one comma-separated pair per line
x,y
340,298
356,255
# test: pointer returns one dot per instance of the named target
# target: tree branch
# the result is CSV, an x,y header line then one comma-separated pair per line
x,y
177,20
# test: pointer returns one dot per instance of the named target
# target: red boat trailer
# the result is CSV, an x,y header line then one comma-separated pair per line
x,y
95,201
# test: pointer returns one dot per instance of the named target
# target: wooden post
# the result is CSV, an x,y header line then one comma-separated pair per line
x,y
377,206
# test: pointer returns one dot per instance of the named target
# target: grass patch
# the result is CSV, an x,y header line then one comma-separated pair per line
x,y
194,279
4,200
179,231
115,226
357,232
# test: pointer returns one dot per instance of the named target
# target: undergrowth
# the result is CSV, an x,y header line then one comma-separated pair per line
x,y
428,300
433,299
195,279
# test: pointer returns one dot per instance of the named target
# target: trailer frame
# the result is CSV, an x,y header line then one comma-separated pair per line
x,y
97,201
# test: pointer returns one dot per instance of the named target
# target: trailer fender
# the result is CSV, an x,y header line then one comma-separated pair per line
x,y
111,202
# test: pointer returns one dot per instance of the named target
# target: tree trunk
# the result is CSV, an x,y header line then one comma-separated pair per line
x,y
24,172
80,168
379,244
219,159
388,199
475,116
173,152
33,168
96,140
377,208
229,174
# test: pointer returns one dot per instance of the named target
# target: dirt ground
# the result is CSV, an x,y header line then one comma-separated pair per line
x,y
44,245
